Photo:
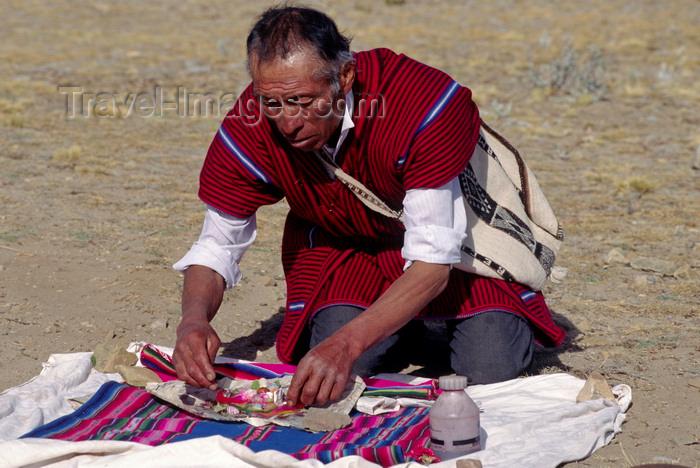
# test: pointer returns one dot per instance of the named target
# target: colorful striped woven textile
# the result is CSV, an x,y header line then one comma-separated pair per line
x,y
121,412
160,363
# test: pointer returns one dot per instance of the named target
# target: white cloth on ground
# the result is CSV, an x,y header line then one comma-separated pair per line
x,y
45,397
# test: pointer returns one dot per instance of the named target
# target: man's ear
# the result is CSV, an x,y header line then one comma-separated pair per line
x,y
347,78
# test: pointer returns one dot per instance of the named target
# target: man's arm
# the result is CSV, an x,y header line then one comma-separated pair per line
x,y
323,373
210,266
197,342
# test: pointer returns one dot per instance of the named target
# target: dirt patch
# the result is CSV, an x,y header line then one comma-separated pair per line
x,y
98,188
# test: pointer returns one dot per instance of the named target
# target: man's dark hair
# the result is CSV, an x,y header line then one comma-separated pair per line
x,y
282,30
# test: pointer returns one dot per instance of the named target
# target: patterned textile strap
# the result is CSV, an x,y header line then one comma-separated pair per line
x,y
426,391
509,220
365,195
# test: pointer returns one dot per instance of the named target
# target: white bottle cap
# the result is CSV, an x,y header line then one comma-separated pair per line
x,y
453,382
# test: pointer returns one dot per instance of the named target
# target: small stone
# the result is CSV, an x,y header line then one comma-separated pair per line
x,y
656,265
137,376
159,324
683,438
595,387
469,463
108,356
683,272
614,351
596,341
644,280
695,163
558,274
78,401
615,256
323,420
267,281
584,325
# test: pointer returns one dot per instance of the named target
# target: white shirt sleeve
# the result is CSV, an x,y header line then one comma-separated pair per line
x,y
435,222
221,245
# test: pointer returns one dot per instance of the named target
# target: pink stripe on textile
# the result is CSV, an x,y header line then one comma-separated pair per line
x,y
381,439
382,383
257,434
161,364
134,412
393,428
123,402
384,456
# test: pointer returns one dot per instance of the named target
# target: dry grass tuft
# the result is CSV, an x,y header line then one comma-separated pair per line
x,y
11,112
639,185
96,169
67,158
572,73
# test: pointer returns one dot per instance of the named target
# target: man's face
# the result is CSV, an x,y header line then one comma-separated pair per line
x,y
298,103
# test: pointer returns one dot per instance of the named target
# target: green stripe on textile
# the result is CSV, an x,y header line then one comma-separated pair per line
x,y
424,394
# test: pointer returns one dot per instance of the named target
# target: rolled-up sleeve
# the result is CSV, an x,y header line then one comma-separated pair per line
x,y
221,245
435,223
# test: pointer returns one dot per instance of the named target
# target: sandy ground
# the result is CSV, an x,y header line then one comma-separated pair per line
x,y
98,201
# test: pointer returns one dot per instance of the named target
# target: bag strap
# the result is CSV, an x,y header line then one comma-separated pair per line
x,y
365,195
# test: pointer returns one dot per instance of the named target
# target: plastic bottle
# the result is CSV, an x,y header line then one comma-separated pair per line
x,y
454,420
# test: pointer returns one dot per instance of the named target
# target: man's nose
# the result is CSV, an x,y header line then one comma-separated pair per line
x,y
291,120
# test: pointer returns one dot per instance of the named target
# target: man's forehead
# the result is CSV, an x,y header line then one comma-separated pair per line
x,y
299,65
293,74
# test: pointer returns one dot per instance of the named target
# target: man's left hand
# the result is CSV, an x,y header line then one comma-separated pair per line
x,y
322,374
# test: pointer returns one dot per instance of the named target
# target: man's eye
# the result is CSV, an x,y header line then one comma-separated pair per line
x,y
273,104
301,102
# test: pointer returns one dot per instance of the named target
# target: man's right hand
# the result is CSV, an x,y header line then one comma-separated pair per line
x,y
195,350
197,342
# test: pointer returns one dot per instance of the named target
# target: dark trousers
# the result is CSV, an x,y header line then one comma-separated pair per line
x,y
488,347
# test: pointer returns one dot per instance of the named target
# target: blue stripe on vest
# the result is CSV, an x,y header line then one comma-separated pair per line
x,y
527,296
311,237
439,106
295,306
242,157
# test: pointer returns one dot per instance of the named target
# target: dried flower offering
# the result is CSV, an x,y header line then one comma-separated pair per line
x,y
256,402
262,399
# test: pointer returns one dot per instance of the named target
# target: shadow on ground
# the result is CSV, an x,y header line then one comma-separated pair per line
x,y
546,360
262,339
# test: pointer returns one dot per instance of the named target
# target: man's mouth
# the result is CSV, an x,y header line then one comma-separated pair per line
x,y
299,141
